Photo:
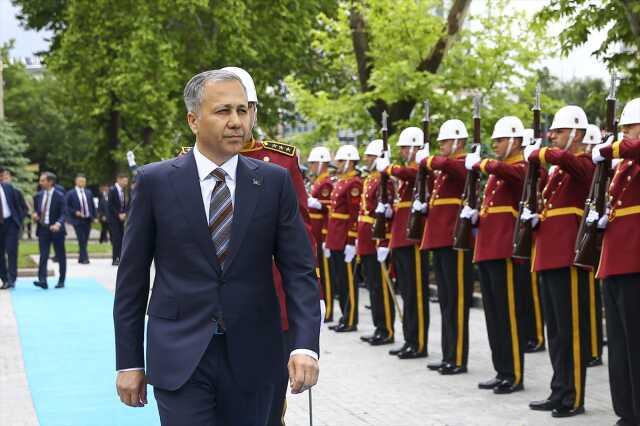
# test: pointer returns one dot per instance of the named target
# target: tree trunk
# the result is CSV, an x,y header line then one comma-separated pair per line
x,y
147,136
632,17
113,139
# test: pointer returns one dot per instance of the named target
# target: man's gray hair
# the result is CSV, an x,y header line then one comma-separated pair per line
x,y
194,89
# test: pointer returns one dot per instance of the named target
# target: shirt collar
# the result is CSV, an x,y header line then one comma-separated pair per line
x,y
206,166
118,187
79,189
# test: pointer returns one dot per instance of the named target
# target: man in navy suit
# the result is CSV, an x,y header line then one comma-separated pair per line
x,y
81,213
50,213
11,215
117,209
103,213
213,221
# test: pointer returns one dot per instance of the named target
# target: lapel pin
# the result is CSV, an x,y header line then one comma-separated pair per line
x,y
256,181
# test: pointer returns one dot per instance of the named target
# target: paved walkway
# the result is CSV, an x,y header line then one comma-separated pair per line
x,y
359,384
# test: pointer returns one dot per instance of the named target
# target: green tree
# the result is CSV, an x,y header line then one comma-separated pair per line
x,y
12,149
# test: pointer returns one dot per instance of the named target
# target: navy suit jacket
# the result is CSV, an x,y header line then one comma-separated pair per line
x,y
57,210
16,203
191,292
114,205
73,205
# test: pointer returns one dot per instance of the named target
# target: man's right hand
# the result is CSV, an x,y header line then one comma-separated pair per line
x,y
122,216
132,388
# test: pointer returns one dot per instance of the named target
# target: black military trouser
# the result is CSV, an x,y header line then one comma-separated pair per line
x,y
344,283
565,303
412,276
595,318
502,298
382,309
622,302
533,320
325,282
453,270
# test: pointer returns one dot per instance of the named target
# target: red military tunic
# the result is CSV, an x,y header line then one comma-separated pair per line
x,y
621,243
444,202
321,190
402,208
563,200
499,207
366,245
343,213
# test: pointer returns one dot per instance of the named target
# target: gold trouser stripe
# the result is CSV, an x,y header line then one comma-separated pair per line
x,y
366,219
343,216
325,231
562,211
592,312
460,343
421,339
537,309
447,201
387,306
327,289
513,323
626,211
352,295
533,257
353,234
502,209
403,204
317,216
575,321
284,411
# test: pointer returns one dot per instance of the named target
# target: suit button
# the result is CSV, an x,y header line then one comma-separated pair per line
x,y
550,206
619,202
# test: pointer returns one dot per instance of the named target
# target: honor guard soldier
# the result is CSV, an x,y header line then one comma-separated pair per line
x,y
373,254
564,286
453,268
501,295
341,236
410,264
619,266
318,203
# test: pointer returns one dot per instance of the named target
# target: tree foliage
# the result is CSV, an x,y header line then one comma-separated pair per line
x,y
12,149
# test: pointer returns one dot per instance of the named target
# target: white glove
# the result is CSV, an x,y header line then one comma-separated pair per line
x,y
472,159
469,213
323,310
603,221
615,162
314,203
131,159
593,216
325,251
349,253
417,206
530,148
384,208
528,215
382,163
421,154
596,157
383,253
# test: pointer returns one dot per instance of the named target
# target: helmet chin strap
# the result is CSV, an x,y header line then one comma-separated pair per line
x,y
454,147
346,167
320,164
411,149
509,148
572,136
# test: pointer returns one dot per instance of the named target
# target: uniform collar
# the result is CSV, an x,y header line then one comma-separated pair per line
x,y
206,166
352,173
515,158
252,145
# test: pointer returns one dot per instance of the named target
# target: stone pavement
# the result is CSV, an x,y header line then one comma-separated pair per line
x,y
359,384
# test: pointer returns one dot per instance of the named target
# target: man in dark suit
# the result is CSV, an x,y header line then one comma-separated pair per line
x,y
103,213
81,213
117,208
213,221
11,214
50,214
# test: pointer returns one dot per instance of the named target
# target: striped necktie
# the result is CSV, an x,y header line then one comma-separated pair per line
x,y
220,214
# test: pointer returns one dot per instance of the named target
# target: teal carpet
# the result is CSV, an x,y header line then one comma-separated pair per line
x,y
69,355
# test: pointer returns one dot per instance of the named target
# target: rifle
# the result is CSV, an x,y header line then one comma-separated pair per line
x,y
589,240
522,240
380,225
415,223
462,239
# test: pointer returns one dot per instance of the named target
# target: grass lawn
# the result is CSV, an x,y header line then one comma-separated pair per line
x,y
28,248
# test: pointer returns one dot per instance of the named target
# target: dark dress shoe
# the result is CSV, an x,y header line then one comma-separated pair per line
x,y
83,262
507,387
594,362
369,338
561,412
435,366
396,351
43,286
625,422
533,347
544,405
381,340
412,353
343,328
326,320
451,370
333,327
115,263
11,285
60,285
490,384
5,285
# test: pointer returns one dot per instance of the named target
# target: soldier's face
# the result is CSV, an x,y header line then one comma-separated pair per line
x,y
631,131
313,167
446,147
405,152
559,137
369,159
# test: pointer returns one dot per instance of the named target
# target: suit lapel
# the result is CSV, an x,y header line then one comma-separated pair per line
x,y
186,185
248,184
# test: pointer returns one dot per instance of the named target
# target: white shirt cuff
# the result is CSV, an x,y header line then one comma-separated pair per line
x,y
307,352
131,369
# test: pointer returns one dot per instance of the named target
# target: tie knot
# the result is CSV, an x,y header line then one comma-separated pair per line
x,y
219,174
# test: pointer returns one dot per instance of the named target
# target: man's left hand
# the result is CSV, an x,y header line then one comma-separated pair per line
x,y
303,373
55,227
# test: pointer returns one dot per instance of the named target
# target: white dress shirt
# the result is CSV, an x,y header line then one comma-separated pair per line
x,y
6,211
44,209
120,195
84,204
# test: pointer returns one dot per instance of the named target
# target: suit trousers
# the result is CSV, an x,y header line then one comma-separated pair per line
x,y
116,229
325,281
533,320
9,236
412,276
82,228
595,334
104,232
453,271
382,308
343,279
621,297
502,298
279,401
565,303
211,396
46,239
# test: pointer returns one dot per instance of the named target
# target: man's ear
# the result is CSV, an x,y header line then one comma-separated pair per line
x,y
192,120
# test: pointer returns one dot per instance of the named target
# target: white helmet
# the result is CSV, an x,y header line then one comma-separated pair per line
x,y
247,82
528,138
593,135
631,113
375,148
452,129
411,136
570,117
508,127
319,154
347,152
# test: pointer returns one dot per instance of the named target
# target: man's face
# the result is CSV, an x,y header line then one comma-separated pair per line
x,y
81,181
369,159
446,146
313,167
45,183
104,188
500,147
559,137
631,131
405,153
340,165
123,181
6,177
223,123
